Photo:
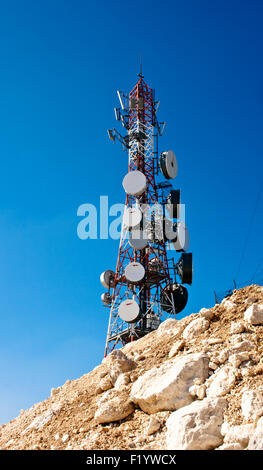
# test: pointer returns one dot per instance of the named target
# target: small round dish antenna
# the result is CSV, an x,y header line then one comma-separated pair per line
x,y
138,239
132,217
134,272
129,311
169,230
107,278
134,183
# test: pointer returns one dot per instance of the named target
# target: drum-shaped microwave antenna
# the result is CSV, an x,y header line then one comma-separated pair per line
x,y
106,298
173,202
175,294
134,272
182,240
107,278
168,164
129,311
185,268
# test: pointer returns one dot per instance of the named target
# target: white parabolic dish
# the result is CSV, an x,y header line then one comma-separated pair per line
x,y
129,311
134,183
134,272
132,217
138,239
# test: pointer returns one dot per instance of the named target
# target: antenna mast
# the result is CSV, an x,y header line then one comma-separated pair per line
x,y
143,290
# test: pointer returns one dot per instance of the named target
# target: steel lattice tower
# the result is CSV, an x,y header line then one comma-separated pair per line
x,y
138,114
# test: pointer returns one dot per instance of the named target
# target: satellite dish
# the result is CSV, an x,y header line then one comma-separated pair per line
x,y
134,272
132,217
178,294
129,311
173,202
168,164
169,230
138,239
185,268
107,279
134,183
106,298
182,240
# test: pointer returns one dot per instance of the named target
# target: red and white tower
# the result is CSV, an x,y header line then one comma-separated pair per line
x,y
143,290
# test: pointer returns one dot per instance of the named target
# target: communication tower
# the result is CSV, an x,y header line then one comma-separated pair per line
x,y
143,290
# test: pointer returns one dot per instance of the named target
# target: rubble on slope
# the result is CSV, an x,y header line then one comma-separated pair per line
x,y
203,373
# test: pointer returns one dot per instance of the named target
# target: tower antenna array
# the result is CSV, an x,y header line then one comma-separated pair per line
x,y
144,289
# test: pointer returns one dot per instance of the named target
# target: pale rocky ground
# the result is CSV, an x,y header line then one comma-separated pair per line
x,y
195,383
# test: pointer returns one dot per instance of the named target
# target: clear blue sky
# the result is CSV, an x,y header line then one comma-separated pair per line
x,y
61,63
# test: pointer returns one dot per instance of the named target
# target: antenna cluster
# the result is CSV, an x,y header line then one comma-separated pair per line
x,y
143,290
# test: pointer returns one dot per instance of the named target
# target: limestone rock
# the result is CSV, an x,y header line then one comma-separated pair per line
x,y
241,346
237,327
213,341
196,426
207,313
256,439
117,363
228,304
178,345
222,381
171,327
223,356
167,387
40,421
105,383
197,326
252,404
237,359
230,446
198,391
254,314
122,381
113,406
239,434
153,426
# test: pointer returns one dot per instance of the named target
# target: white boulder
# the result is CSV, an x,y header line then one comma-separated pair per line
x,y
196,426
196,327
239,434
252,404
167,387
177,346
237,327
256,439
254,314
237,359
230,446
222,381
113,406
117,363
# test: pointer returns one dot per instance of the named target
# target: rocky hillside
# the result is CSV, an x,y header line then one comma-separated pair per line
x,y
195,383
